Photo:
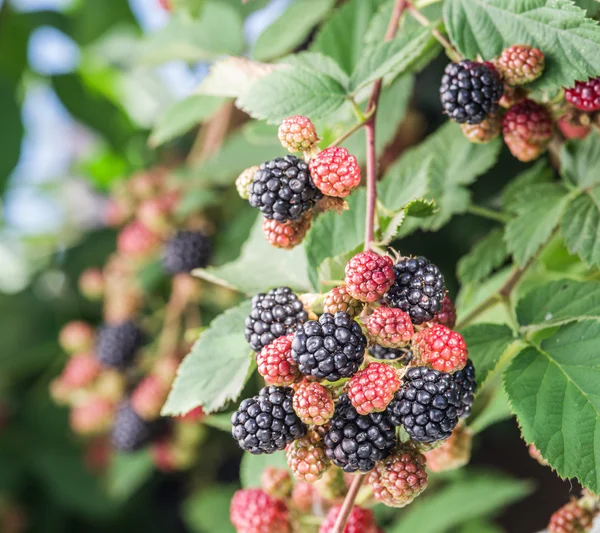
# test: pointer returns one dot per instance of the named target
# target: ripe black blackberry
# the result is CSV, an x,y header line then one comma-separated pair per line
x,y
186,251
131,432
356,442
467,386
470,91
419,289
389,354
116,345
331,348
267,422
273,315
283,189
427,405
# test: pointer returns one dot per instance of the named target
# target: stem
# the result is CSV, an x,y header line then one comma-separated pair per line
x,y
485,212
346,509
352,130
452,52
178,300
399,8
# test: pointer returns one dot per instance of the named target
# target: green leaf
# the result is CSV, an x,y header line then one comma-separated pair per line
x,y
217,32
486,493
405,180
342,36
182,116
581,228
496,409
580,161
486,344
592,6
420,208
253,466
11,131
559,302
569,40
334,234
216,369
260,266
127,473
293,91
539,210
207,510
540,172
291,29
480,526
485,257
319,62
220,421
553,391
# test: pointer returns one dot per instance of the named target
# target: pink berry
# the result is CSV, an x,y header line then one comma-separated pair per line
x,y
373,388
369,276
335,172
440,348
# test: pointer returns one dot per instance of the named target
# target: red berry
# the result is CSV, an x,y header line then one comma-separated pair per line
x,y
165,4
335,172
360,520
520,64
137,241
76,336
149,396
400,478
303,496
287,235
339,299
254,511
389,327
447,316
297,134
275,362
571,129
306,457
155,213
571,518
585,95
313,403
527,128
81,371
162,455
453,453
193,416
276,482
372,389
92,417
440,348
91,283
369,276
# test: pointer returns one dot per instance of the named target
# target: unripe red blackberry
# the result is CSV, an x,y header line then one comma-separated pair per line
x,y
76,336
527,128
243,183
194,416
165,4
254,511
440,348
275,362
571,128
287,235
360,520
303,496
399,478
313,403
276,482
81,371
297,134
453,453
339,299
512,96
585,95
389,327
306,457
137,241
484,132
571,518
335,172
369,276
447,315
520,64
371,390
92,417
156,213
149,396
91,283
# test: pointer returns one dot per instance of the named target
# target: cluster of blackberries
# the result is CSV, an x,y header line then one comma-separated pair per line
x,y
287,189
340,385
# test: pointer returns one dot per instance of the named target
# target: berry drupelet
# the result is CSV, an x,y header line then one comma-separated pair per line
x,y
116,345
186,251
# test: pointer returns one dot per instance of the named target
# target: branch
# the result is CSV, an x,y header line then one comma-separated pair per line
x,y
348,504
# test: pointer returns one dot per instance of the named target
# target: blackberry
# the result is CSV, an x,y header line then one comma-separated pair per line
x,y
283,189
116,345
381,352
131,432
467,386
273,315
267,422
419,289
427,405
331,348
356,442
186,251
470,91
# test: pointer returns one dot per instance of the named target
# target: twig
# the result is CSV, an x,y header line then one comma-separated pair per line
x,y
399,8
352,130
452,52
485,212
178,301
211,136
346,509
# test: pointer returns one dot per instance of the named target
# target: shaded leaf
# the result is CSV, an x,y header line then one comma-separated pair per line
x,y
207,510
11,130
495,410
580,161
127,473
581,228
486,256
540,172
319,62
253,466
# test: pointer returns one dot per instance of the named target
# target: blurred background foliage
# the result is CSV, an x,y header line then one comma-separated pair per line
x,y
84,85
